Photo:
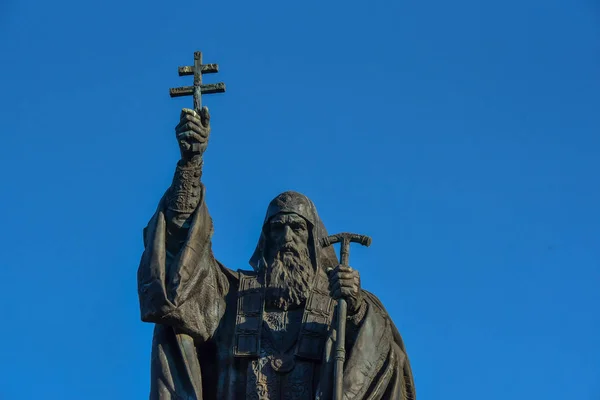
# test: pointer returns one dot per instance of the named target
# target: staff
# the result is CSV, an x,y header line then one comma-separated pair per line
x,y
340,352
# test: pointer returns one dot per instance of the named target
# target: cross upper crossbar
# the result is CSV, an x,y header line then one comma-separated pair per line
x,y
205,69
198,89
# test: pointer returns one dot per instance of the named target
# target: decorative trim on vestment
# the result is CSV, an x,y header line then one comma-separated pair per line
x,y
249,316
184,194
358,316
316,321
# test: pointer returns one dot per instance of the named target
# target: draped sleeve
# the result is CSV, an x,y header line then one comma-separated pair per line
x,y
187,289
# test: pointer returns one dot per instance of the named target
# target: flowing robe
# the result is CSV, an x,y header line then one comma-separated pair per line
x,y
192,300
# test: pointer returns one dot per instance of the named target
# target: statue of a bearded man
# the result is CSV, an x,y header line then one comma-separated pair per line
x,y
264,333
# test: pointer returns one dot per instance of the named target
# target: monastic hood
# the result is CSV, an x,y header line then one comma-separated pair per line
x,y
297,203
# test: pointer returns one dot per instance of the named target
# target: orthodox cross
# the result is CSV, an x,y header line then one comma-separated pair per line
x,y
198,89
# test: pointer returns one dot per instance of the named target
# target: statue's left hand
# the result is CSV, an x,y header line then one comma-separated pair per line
x,y
344,282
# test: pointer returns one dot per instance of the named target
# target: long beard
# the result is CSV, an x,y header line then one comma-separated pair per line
x,y
288,279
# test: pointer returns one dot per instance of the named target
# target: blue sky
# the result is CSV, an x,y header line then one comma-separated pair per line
x,y
462,136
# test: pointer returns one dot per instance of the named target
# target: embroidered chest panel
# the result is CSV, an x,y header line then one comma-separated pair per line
x,y
316,319
286,347
281,329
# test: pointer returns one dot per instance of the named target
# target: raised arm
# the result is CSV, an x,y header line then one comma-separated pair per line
x,y
179,281
186,190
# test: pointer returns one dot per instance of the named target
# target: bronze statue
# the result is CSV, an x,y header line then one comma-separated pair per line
x,y
265,333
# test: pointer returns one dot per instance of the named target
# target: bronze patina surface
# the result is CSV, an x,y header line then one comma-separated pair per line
x,y
287,328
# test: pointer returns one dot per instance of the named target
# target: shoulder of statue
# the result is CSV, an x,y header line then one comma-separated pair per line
x,y
378,305
229,273
374,301
245,273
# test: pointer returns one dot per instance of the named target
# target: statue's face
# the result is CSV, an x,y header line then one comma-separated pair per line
x,y
290,269
288,233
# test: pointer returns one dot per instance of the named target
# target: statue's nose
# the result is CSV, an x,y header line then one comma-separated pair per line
x,y
287,234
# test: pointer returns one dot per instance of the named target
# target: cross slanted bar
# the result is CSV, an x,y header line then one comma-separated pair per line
x,y
198,89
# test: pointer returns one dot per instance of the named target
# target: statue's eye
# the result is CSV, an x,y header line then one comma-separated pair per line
x,y
297,227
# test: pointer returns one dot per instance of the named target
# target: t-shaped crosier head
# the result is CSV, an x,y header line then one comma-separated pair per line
x,y
345,239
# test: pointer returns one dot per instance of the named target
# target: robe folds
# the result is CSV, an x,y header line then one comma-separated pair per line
x,y
192,298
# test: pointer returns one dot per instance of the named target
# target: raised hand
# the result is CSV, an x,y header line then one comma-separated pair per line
x,y
193,132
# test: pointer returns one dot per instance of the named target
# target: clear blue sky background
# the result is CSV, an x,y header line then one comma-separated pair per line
x,y
462,135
